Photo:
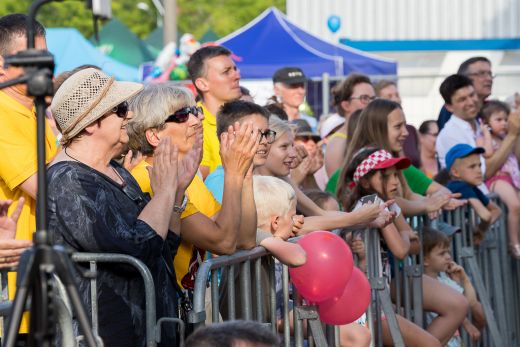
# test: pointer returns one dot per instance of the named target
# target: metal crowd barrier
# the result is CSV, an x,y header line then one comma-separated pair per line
x,y
249,265
152,326
249,278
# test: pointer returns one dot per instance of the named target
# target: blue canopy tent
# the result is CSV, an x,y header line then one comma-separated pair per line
x,y
270,42
71,50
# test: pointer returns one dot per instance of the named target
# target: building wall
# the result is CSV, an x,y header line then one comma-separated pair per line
x,y
382,20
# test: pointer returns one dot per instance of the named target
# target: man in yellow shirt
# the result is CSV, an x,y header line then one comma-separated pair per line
x,y
216,78
18,135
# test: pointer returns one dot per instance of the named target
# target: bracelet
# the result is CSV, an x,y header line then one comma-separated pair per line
x,y
182,207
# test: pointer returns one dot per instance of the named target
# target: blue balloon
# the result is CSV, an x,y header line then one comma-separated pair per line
x,y
334,23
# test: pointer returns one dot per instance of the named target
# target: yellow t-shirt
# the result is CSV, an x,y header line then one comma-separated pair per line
x,y
201,200
211,145
18,163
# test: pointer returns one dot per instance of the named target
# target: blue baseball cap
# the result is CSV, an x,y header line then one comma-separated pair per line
x,y
461,150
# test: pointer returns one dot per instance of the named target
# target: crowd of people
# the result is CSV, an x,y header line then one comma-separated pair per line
x,y
170,178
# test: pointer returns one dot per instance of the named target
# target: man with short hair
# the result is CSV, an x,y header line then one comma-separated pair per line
x,y
478,69
241,112
216,79
289,90
462,100
18,133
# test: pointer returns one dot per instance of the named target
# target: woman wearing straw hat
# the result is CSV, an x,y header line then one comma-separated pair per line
x,y
96,206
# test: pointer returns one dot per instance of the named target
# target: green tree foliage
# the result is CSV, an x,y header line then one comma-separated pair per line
x,y
223,16
194,16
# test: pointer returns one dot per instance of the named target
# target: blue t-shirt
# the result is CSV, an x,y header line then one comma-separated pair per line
x,y
215,183
467,191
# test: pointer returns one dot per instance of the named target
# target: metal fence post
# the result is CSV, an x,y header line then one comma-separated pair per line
x,y
325,93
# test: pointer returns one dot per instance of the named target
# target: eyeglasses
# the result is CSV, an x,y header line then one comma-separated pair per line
x,y
182,115
363,98
482,74
269,135
121,110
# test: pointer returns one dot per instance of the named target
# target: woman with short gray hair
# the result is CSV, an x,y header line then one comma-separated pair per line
x,y
165,110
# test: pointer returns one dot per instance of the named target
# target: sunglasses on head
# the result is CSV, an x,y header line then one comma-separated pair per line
x,y
182,115
121,110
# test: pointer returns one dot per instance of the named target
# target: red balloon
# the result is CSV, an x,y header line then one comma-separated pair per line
x,y
328,267
350,305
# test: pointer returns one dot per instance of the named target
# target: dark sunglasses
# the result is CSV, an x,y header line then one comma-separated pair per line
x,y
121,110
182,115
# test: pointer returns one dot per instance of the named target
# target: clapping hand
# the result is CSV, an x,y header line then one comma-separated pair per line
x,y
238,147
301,154
189,164
164,173
299,173
10,249
132,160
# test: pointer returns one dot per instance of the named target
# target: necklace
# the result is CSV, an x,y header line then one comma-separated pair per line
x,y
123,182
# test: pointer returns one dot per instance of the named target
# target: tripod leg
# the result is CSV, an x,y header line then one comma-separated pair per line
x,y
63,270
42,329
16,316
25,270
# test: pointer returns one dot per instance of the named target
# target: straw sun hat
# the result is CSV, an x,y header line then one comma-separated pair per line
x,y
85,97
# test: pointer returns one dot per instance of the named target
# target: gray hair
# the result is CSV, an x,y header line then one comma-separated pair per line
x,y
151,108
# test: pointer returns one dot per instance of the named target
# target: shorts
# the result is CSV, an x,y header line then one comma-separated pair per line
x,y
499,177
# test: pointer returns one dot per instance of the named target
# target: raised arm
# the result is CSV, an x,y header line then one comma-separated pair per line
x,y
237,149
248,222
290,254
397,240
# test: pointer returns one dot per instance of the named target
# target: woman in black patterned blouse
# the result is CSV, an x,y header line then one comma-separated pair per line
x,y
96,206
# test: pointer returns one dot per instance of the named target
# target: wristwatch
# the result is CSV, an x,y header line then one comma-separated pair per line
x,y
182,207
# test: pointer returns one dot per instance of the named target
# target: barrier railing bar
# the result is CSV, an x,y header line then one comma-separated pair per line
x,y
398,278
272,295
298,325
286,322
310,314
214,297
93,299
245,289
469,260
416,274
198,314
259,315
149,286
407,292
231,292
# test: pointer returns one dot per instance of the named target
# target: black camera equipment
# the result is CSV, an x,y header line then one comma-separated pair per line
x,y
43,261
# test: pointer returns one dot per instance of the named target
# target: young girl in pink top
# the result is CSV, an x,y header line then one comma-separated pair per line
x,y
506,181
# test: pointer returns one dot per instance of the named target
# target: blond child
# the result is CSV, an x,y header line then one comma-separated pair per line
x,y
275,202
439,265
464,166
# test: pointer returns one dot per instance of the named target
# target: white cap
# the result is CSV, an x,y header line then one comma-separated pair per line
x,y
330,123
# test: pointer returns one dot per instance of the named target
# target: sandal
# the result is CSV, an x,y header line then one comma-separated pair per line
x,y
515,250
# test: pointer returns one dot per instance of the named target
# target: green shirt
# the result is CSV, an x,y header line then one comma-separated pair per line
x,y
415,178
